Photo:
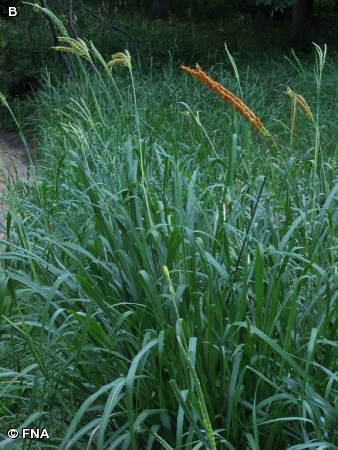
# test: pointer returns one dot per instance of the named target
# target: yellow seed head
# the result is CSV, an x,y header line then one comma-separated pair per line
x,y
59,48
120,58
78,47
297,100
300,101
64,39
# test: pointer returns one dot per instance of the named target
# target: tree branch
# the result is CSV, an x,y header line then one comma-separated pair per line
x,y
116,29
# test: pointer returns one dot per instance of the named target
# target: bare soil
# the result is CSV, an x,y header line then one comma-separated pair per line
x,y
13,166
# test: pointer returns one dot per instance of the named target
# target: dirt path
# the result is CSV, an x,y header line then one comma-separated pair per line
x,y
13,164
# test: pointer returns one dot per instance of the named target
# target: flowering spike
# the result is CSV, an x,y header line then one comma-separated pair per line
x,y
231,99
120,58
300,101
76,46
3,100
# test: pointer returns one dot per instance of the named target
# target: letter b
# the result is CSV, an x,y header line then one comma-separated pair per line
x,y
12,12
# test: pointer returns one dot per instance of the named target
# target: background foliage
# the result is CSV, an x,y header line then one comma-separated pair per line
x,y
195,31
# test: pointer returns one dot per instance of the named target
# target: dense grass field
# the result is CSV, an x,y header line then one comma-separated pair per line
x,y
169,280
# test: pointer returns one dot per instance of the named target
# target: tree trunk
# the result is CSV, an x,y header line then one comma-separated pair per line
x,y
300,13
161,9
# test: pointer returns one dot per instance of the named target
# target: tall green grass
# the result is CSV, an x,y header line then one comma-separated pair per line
x,y
169,281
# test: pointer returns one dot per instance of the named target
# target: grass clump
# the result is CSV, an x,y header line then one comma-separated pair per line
x,y
170,281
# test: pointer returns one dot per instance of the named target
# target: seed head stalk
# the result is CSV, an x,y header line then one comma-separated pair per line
x,y
320,62
125,60
233,102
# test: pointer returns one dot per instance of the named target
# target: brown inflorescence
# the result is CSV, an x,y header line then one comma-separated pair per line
x,y
231,99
